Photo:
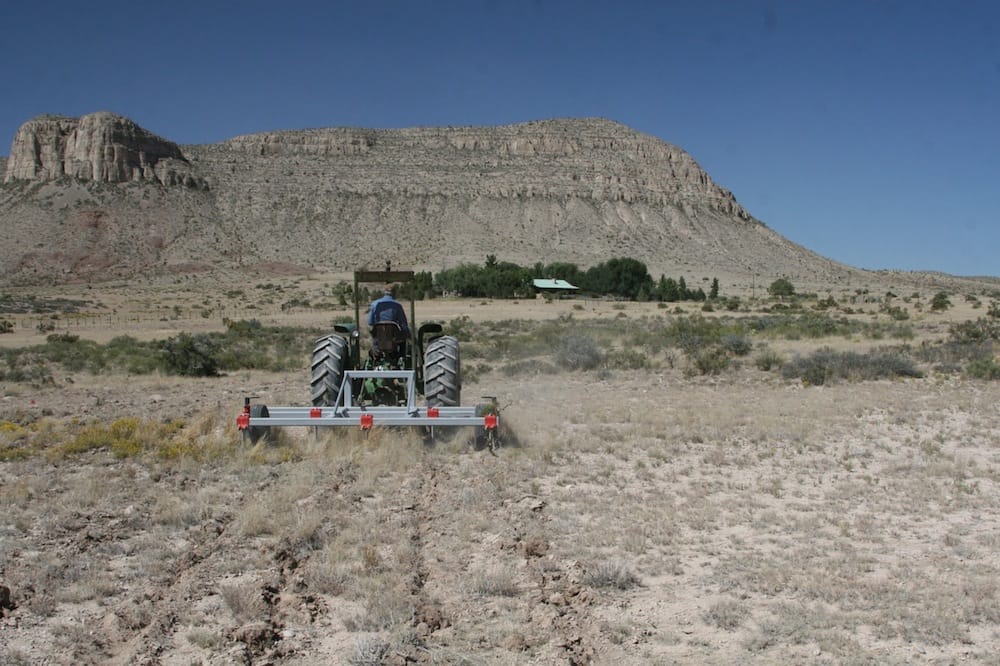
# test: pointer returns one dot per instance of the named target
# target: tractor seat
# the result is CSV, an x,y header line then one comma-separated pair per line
x,y
387,335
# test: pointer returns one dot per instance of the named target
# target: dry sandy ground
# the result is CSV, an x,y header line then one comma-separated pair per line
x,y
630,518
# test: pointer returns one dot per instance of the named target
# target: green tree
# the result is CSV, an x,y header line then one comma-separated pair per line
x,y
671,292
563,271
713,292
622,276
781,288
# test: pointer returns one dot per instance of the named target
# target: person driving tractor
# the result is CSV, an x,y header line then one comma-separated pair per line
x,y
387,310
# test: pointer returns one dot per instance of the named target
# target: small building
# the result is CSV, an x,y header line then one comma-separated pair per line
x,y
553,287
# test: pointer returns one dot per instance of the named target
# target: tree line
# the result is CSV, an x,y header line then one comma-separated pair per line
x,y
622,277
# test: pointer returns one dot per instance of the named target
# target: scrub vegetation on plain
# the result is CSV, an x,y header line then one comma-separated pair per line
x,y
787,478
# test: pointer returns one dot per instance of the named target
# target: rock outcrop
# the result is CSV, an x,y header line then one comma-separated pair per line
x,y
593,159
100,147
84,199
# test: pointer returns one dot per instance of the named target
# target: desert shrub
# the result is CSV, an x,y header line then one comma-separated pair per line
x,y
578,352
370,651
769,360
626,359
781,288
495,583
692,334
74,354
460,327
242,326
710,361
978,331
612,574
190,355
24,366
737,345
951,356
826,303
897,313
124,352
825,365
940,302
6,326
983,368
245,601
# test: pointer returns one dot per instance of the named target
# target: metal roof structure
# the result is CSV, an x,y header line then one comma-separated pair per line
x,y
541,283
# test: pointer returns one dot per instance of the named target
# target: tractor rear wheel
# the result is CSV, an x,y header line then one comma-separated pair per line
x,y
442,373
329,360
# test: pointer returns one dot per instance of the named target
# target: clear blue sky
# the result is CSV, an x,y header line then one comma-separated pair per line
x,y
866,131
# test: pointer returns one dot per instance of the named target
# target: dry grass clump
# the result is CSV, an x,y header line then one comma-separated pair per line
x,y
727,614
611,574
370,650
244,600
386,604
494,582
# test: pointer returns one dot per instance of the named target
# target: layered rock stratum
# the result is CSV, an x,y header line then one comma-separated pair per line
x,y
100,197
101,147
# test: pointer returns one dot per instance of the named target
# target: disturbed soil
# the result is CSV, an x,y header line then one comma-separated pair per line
x,y
630,517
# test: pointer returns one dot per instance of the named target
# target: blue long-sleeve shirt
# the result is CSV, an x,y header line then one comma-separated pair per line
x,y
388,308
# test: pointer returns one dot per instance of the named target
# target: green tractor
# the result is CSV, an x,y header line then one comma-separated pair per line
x,y
432,356
380,387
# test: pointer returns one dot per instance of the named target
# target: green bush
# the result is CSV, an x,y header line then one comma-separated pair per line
x,y
897,313
978,331
737,345
781,288
190,355
983,368
710,361
940,302
694,333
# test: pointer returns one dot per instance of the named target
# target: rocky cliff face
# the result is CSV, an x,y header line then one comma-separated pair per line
x,y
101,147
82,199
593,159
